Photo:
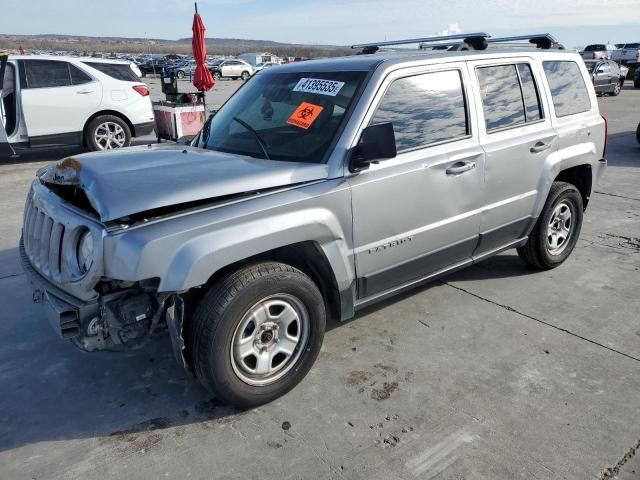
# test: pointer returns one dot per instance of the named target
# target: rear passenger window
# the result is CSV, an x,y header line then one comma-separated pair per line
x,y
46,73
509,96
532,108
425,109
118,71
568,90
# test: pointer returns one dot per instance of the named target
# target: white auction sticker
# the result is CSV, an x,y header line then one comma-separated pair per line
x,y
319,86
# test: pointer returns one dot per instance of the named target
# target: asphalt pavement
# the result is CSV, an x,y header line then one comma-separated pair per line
x,y
495,372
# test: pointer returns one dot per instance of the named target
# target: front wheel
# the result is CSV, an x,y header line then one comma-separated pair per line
x,y
107,132
245,76
216,76
638,133
556,232
256,333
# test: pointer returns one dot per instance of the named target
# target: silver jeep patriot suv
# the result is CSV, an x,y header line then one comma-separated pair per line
x,y
319,188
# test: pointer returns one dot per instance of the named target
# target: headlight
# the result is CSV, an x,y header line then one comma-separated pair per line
x,y
85,252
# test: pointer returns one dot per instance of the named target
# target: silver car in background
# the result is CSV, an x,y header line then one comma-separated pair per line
x,y
597,51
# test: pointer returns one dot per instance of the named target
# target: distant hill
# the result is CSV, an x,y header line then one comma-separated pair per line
x,y
222,46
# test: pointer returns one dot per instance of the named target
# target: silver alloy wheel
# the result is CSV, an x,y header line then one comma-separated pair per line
x,y
560,229
269,340
109,135
617,88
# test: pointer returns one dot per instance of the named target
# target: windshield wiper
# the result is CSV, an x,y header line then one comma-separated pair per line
x,y
262,145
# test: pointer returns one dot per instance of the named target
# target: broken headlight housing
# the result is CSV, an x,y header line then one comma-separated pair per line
x,y
84,251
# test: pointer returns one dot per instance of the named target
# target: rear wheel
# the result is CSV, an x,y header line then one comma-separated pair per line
x,y
107,132
216,76
638,133
180,74
557,230
256,333
616,89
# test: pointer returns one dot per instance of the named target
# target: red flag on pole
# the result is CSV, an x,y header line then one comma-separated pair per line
x,y
21,50
202,79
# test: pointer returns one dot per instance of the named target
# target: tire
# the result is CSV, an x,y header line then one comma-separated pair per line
x,y
538,252
180,74
234,78
224,319
638,133
636,84
107,132
616,89
245,76
216,76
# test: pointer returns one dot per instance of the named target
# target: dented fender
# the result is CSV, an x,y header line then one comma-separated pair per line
x,y
184,251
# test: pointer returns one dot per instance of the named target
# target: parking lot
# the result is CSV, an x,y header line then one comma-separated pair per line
x,y
497,371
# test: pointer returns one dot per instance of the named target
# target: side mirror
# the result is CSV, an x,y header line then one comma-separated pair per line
x,y
377,142
600,70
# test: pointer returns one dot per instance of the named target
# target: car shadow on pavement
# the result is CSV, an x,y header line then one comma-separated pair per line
x,y
623,149
506,265
52,391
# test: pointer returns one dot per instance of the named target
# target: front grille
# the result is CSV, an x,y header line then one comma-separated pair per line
x,y
42,238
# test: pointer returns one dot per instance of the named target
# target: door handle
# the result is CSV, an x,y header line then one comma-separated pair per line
x,y
460,167
84,92
539,147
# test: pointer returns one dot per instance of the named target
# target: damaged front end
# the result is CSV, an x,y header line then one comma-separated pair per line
x,y
128,314
62,251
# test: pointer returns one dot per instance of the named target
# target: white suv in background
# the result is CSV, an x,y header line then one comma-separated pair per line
x,y
231,68
50,100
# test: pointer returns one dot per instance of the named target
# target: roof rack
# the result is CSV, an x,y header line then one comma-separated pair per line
x,y
469,41
375,46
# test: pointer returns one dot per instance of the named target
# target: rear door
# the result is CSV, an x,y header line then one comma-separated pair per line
x,y
57,98
518,137
417,214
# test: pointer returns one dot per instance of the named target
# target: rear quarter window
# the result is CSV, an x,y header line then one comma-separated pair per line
x,y
568,90
118,71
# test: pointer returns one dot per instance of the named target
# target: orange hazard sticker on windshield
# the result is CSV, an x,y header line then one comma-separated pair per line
x,y
305,115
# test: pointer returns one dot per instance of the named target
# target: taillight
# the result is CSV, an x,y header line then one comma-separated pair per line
x,y
606,137
142,90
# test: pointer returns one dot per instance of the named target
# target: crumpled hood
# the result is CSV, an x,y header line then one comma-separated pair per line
x,y
133,180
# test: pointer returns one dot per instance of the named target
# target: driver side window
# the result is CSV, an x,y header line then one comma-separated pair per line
x,y
425,109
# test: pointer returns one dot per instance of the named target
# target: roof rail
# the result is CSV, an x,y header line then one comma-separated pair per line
x,y
540,40
475,41
375,46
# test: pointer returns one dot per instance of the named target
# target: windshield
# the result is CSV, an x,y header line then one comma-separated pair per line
x,y
284,116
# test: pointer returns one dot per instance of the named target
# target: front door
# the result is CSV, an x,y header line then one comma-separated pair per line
x,y
518,137
602,77
57,98
417,214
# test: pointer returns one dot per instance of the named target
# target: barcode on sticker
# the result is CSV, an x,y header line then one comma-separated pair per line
x,y
319,86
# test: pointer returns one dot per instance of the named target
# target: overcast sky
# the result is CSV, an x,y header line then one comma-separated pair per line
x,y
338,22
